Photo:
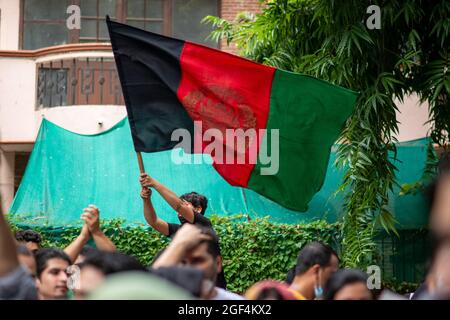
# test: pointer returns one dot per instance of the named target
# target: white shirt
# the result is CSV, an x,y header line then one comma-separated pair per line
x,y
223,294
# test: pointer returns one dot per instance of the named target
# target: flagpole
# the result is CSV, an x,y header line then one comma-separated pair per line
x,y
140,162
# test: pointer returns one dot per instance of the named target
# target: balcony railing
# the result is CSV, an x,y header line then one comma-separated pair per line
x,y
78,81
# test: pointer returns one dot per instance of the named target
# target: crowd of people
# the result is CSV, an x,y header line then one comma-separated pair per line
x,y
190,267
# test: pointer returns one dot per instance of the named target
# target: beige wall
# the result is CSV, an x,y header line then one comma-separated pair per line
x,y
412,117
19,119
9,24
6,179
17,99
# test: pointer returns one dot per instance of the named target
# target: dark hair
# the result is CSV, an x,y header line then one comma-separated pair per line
x,y
112,262
290,275
340,279
88,251
43,255
213,243
314,253
197,200
28,236
269,293
23,250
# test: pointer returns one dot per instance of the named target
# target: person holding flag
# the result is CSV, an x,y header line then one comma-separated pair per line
x,y
170,85
190,207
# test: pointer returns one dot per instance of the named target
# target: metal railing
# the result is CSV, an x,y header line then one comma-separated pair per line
x,y
78,81
404,257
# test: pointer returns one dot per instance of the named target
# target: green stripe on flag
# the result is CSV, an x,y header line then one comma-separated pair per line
x,y
309,114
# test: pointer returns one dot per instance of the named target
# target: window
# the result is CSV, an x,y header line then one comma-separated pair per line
x,y
93,26
146,14
186,17
52,87
44,21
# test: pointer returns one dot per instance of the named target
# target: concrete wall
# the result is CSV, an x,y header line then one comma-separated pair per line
x,y
412,117
9,24
17,99
6,179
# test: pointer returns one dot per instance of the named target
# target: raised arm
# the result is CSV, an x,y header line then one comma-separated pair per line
x,y
150,215
185,239
91,215
8,256
179,205
74,248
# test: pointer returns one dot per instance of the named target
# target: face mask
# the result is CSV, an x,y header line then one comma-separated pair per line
x,y
318,292
207,287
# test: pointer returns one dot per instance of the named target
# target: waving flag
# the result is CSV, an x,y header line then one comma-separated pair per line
x,y
170,84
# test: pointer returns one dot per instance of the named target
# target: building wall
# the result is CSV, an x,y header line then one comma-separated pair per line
x,y
412,117
230,8
9,24
6,179
17,99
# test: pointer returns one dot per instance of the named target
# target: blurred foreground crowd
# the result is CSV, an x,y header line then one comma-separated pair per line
x,y
190,267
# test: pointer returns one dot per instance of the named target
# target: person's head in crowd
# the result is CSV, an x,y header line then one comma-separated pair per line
x,y
31,239
206,257
439,200
269,290
96,267
347,284
316,263
85,252
438,279
198,202
51,272
26,259
197,247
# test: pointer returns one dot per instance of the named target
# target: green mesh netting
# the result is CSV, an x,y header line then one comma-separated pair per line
x,y
68,171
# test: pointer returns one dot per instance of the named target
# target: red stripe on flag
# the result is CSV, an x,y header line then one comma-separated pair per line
x,y
224,91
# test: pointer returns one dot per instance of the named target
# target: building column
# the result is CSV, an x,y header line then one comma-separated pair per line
x,y
6,179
